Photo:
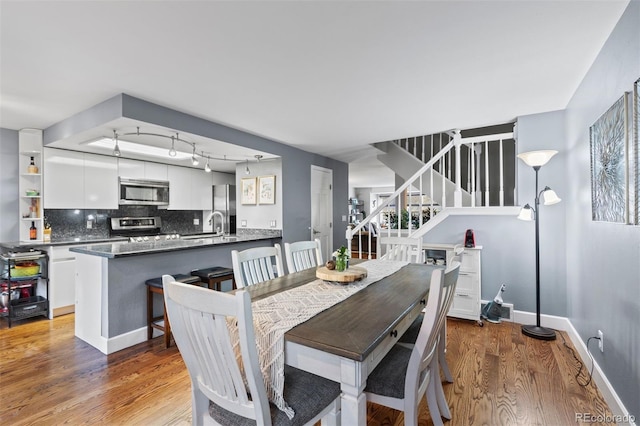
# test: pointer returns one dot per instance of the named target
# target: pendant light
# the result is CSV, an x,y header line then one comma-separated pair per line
x,y
207,168
116,148
194,159
172,151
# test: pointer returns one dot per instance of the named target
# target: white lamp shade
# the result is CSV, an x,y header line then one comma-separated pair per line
x,y
526,213
537,158
550,197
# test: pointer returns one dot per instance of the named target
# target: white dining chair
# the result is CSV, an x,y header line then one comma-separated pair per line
x,y
401,248
201,321
406,375
255,265
303,255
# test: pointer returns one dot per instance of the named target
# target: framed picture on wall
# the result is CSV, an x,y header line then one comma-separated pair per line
x,y
267,190
608,137
248,191
636,147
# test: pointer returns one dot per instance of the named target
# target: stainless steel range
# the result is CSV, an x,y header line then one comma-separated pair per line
x,y
139,229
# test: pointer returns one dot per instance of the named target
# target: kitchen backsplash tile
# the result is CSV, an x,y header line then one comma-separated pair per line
x,y
68,224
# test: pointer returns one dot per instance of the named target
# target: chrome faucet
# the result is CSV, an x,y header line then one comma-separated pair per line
x,y
212,215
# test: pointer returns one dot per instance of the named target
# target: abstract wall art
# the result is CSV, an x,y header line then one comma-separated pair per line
x,y
609,179
636,154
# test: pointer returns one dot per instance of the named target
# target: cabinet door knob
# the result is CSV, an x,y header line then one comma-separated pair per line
x,y
394,333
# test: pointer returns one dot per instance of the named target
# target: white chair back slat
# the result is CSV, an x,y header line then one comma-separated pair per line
x,y
303,255
199,319
255,265
405,249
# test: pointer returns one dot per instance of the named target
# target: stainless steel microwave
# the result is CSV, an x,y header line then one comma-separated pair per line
x,y
144,192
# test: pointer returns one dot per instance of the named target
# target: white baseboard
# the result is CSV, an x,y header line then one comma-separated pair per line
x,y
616,406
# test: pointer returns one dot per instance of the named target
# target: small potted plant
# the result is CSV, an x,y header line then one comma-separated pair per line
x,y
342,258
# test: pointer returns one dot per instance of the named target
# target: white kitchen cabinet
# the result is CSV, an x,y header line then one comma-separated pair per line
x,y
136,169
62,281
132,169
179,188
466,300
155,171
63,179
77,180
100,182
201,190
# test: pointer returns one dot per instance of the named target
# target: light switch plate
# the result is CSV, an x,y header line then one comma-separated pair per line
x,y
272,223
243,223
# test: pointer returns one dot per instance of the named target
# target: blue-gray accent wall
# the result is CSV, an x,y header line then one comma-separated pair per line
x,y
296,163
603,259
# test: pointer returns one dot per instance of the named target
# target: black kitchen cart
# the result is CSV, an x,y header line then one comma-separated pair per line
x,y
24,285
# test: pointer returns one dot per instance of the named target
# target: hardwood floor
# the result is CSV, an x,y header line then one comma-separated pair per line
x,y
47,376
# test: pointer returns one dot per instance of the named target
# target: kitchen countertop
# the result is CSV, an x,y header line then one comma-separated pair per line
x,y
125,248
66,242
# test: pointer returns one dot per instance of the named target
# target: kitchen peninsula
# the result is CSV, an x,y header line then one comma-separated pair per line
x,y
110,290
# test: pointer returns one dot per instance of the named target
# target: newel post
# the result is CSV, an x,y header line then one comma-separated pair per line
x,y
349,236
457,195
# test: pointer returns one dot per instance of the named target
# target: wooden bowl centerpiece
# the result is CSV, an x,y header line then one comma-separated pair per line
x,y
351,274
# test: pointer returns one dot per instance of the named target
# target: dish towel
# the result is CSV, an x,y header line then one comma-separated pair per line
x,y
275,315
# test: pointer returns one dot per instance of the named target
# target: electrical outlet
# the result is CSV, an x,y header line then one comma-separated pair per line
x,y
601,341
89,224
196,221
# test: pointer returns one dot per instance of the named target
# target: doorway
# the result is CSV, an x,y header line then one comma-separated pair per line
x,y
322,208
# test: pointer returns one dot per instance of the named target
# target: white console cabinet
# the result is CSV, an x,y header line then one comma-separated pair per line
x,y
466,301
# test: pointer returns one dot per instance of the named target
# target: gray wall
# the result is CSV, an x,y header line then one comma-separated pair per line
x,y
296,164
9,185
603,259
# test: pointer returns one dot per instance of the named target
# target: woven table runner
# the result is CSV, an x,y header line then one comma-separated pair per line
x,y
275,315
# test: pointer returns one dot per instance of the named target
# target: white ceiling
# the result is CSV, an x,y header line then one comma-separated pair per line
x,y
329,77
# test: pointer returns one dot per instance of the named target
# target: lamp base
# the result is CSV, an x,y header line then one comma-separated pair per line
x,y
536,332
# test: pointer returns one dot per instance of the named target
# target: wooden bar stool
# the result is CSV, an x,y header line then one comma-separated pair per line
x,y
214,276
154,285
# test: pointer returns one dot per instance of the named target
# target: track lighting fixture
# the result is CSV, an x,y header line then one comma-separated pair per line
x,y
172,151
194,159
116,148
116,144
207,167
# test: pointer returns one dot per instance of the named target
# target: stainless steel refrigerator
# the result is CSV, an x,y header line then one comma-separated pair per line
x,y
224,201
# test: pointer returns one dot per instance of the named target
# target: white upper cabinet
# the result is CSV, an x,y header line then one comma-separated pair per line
x,y
76,180
100,182
179,188
63,179
136,169
132,169
155,171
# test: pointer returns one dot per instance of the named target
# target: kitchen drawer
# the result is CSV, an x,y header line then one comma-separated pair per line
x,y
385,346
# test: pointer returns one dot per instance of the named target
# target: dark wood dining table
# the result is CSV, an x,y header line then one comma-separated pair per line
x,y
347,341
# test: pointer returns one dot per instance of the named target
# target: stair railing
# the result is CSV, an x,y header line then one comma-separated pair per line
x,y
478,166
412,186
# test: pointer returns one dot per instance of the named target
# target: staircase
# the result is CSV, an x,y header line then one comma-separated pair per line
x,y
444,174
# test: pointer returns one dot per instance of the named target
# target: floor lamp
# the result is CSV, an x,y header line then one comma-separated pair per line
x,y
537,159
